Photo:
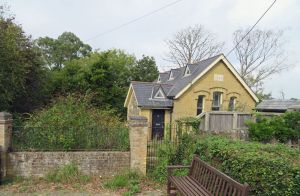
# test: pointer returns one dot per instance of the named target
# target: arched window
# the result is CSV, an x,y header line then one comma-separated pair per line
x,y
217,100
231,105
200,104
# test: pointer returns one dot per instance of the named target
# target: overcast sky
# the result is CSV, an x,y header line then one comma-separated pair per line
x,y
88,18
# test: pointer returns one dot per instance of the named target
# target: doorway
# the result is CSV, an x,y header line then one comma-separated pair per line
x,y
158,124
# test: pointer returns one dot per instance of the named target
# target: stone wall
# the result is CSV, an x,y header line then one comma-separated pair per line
x,y
89,162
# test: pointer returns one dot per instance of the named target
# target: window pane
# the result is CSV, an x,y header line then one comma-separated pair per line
x,y
231,104
216,99
216,103
200,104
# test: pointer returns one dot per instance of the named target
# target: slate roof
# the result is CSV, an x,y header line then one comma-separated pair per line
x,y
179,82
277,105
145,91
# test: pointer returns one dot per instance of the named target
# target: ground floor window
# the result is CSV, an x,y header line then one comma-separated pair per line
x,y
200,104
231,105
216,103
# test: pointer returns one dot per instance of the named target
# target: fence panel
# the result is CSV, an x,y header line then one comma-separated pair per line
x,y
223,121
242,118
219,122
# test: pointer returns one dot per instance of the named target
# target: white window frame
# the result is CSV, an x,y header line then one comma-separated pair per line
x,y
160,91
220,101
158,79
187,70
171,77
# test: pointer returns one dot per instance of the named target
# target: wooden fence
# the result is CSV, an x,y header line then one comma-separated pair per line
x,y
223,121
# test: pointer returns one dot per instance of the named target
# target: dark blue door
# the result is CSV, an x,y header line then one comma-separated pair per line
x,y
158,122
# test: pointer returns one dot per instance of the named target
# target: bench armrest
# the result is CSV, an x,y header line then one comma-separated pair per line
x,y
170,168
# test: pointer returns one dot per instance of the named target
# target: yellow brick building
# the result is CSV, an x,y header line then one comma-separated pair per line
x,y
209,85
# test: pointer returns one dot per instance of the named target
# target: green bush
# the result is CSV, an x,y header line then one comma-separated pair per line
x,y
67,174
71,123
282,128
269,169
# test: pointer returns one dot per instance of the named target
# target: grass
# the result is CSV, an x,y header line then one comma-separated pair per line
x,y
69,179
129,180
67,174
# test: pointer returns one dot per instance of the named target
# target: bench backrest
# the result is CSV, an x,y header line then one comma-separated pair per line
x,y
216,182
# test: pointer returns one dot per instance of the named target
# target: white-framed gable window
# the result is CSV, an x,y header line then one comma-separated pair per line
x,y
158,79
171,77
187,71
159,94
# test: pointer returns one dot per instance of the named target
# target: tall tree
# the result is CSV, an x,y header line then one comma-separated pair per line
x,y
260,55
191,45
65,48
23,84
145,69
105,76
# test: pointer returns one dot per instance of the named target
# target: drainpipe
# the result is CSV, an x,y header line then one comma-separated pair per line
x,y
171,112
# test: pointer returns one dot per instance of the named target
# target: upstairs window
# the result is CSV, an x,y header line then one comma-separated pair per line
x,y
187,71
159,94
200,104
158,79
216,103
171,77
231,105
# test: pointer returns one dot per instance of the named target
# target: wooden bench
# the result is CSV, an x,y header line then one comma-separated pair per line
x,y
204,179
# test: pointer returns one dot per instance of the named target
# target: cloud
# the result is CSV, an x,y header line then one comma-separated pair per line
x,y
91,17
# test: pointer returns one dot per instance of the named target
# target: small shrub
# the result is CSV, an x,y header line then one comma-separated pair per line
x,y
67,174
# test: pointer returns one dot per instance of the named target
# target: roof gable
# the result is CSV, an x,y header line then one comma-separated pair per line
x,y
208,67
145,94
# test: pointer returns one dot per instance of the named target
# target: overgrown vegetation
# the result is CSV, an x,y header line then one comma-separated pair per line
x,y
128,179
170,154
269,169
71,123
67,174
282,128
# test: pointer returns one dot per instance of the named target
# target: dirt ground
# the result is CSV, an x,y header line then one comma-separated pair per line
x,y
24,187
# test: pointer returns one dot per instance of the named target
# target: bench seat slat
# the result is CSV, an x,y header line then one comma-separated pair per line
x,y
188,186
